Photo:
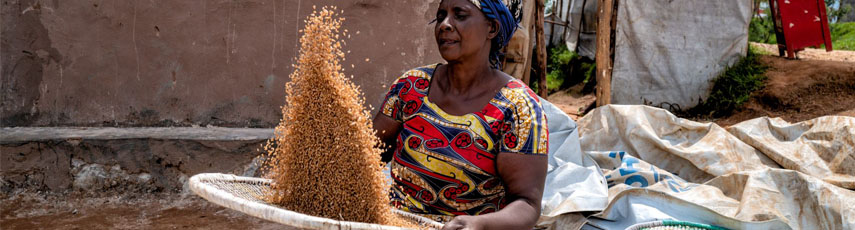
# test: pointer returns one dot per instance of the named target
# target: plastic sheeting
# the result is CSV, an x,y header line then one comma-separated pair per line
x,y
763,173
574,182
667,52
644,205
579,19
823,147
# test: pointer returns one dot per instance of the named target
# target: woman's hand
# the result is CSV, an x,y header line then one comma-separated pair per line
x,y
464,223
524,177
386,129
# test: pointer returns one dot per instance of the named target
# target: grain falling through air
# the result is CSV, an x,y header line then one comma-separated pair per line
x,y
323,159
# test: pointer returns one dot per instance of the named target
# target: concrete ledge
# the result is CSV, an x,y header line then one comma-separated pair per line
x,y
29,134
101,160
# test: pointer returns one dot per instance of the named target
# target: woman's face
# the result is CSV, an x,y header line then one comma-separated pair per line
x,y
462,31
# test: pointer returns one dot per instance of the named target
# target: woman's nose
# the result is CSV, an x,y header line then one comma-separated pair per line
x,y
445,24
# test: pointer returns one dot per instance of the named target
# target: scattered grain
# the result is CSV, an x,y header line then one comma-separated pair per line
x,y
323,159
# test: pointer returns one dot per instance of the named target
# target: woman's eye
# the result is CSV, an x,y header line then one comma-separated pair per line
x,y
461,16
440,16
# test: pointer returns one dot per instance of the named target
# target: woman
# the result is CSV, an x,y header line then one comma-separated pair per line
x,y
469,142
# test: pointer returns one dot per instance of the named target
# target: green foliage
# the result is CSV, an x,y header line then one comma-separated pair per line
x,y
589,69
559,62
835,13
732,88
843,36
762,52
762,30
565,68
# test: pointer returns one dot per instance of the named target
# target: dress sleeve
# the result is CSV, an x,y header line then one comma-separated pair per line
x,y
392,103
528,133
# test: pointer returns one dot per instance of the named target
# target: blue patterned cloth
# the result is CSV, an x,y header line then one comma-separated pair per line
x,y
636,173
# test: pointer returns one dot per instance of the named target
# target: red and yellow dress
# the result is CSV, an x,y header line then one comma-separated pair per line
x,y
445,165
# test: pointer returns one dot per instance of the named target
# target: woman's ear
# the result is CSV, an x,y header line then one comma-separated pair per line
x,y
494,29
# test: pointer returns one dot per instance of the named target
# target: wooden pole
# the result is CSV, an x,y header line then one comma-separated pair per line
x,y
604,51
540,48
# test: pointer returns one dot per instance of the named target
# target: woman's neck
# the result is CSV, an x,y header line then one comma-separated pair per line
x,y
461,77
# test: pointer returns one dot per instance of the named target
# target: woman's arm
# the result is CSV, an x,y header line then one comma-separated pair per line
x,y
386,128
524,177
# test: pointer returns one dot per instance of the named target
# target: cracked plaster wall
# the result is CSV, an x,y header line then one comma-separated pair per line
x,y
184,63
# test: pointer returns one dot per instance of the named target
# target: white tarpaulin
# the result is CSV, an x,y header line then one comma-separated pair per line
x,y
823,147
573,22
574,182
759,174
667,52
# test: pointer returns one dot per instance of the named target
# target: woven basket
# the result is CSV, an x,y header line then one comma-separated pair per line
x,y
673,225
245,194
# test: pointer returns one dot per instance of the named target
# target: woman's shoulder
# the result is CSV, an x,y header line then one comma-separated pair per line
x,y
419,76
518,93
425,72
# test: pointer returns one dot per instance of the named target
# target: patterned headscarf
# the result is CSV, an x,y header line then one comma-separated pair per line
x,y
509,14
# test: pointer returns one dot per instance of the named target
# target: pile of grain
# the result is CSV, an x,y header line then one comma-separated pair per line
x,y
323,160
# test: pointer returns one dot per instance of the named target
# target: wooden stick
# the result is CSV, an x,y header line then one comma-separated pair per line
x,y
565,24
540,52
604,54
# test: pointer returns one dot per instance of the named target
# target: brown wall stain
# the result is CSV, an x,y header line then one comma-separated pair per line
x,y
182,63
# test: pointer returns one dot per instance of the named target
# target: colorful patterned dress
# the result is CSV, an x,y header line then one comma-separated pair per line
x,y
445,165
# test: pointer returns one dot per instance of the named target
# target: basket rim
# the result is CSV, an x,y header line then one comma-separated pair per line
x,y
199,186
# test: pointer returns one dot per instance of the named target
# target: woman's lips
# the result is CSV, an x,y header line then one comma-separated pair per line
x,y
447,42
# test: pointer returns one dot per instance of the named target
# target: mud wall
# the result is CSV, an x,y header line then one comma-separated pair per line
x,y
183,63
121,165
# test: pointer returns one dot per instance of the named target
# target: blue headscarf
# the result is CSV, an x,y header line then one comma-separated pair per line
x,y
509,18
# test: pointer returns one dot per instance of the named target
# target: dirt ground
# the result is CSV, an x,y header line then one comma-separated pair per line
x,y
812,54
148,211
573,101
798,90
820,83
